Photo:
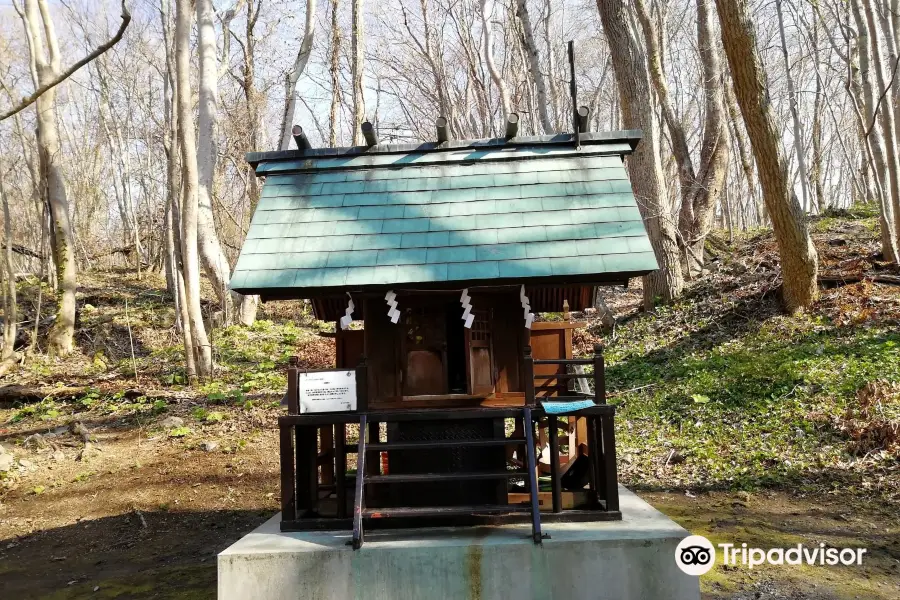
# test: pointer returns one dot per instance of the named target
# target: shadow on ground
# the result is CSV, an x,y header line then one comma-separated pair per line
x,y
161,554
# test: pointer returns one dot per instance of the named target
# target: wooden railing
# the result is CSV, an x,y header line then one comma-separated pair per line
x,y
600,424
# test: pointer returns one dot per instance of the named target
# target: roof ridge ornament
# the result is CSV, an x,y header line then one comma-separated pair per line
x,y
443,131
512,125
300,138
368,131
573,91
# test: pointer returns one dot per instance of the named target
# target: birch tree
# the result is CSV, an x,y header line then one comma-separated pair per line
x,y
201,350
534,65
215,263
487,48
173,190
45,61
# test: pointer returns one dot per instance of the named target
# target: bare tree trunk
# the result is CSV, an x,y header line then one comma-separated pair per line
x,y
728,214
487,48
633,81
886,117
248,305
335,72
357,46
189,187
125,161
799,135
534,65
816,171
113,133
558,116
46,70
714,151
873,137
215,263
798,255
33,344
173,190
743,153
183,316
169,134
678,139
700,188
10,306
174,265
293,76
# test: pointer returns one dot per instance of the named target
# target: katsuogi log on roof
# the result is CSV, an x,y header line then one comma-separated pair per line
x,y
532,211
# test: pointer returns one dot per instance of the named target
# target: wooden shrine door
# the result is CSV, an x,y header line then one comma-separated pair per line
x,y
424,351
480,354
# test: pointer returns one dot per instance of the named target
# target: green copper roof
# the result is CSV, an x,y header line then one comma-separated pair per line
x,y
496,213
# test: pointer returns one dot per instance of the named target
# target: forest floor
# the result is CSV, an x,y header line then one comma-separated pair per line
x,y
117,480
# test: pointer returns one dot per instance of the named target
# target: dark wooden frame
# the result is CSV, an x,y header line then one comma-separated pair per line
x,y
300,460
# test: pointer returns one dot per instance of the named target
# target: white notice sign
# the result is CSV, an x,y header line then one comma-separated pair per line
x,y
327,391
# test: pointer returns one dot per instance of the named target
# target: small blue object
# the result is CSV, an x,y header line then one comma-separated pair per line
x,y
564,408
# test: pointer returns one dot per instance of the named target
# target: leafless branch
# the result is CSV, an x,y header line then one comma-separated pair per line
x,y
29,100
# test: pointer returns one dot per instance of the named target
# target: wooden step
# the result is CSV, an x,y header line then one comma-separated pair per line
x,y
429,445
429,477
443,511
564,361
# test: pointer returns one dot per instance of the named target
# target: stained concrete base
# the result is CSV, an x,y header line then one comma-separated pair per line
x,y
631,559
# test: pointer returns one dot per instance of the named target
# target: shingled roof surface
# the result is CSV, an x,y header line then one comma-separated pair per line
x,y
474,213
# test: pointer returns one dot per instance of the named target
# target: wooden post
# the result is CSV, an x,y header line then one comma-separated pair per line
x,y
340,451
611,480
293,391
359,501
373,462
593,456
286,450
529,377
362,385
532,476
502,489
326,448
307,470
599,376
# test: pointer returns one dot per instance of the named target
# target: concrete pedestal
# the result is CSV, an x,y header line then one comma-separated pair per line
x,y
631,559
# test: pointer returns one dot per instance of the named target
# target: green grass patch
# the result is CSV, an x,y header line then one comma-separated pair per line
x,y
754,408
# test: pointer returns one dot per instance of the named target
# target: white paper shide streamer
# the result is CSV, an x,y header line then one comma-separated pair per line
x,y
467,316
347,319
529,316
393,313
